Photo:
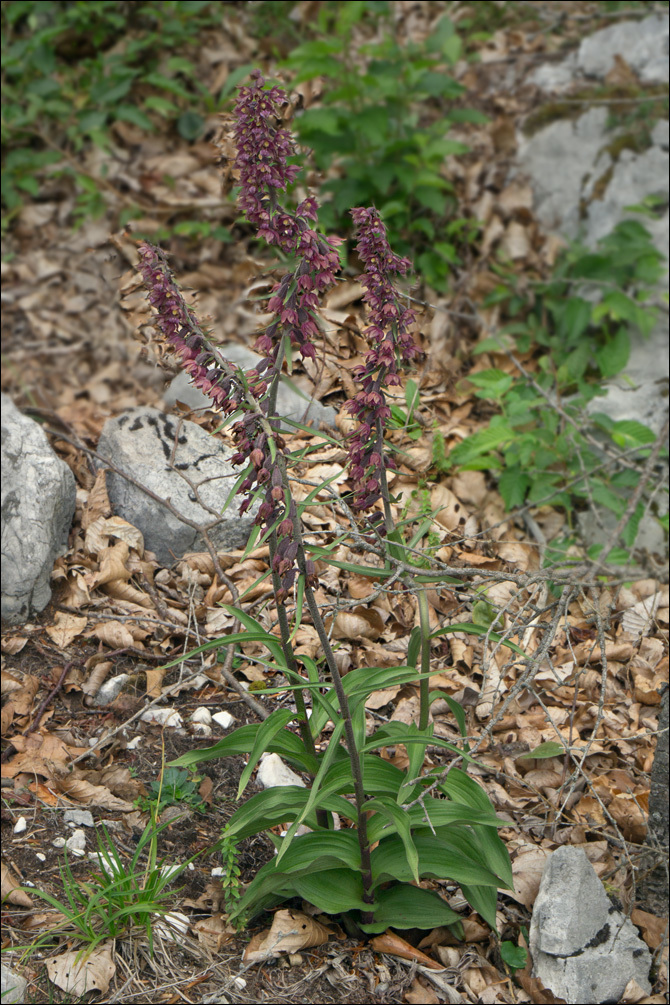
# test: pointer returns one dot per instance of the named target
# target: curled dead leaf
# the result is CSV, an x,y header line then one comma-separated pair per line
x,y
359,623
393,944
291,931
10,889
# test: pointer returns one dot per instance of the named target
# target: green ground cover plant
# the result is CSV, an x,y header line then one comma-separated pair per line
x,y
397,827
543,445
70,71
367,135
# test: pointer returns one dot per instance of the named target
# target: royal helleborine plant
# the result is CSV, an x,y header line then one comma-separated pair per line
x,y
374,831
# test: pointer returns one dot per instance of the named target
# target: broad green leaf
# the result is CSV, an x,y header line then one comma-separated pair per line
x,y
321,850
440,857
241,741
631,433
484,900
401,824
279,805
332,891
405,906
259,633
311,803
440,812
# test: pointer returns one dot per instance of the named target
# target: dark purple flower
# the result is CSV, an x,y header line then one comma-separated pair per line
x,y
392,346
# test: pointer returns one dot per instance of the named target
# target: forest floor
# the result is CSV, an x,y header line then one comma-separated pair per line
x,y
73,358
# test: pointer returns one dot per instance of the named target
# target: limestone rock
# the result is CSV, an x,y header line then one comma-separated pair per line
x,y
164,454
292,402
584,950
38,503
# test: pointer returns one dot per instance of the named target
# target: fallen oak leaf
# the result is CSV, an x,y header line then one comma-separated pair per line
x,y
78,975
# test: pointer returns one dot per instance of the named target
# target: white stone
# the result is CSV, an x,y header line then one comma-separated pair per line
x,y
111,689
20,825
163,717
223,719
272,772
76,845
202,714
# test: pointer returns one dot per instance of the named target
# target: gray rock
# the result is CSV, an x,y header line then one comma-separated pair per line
x,y
160,453
12,986
558,159
38,503
292,403
584,950
643,44
81,818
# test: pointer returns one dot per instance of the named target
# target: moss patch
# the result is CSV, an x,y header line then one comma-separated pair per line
x,y
653,105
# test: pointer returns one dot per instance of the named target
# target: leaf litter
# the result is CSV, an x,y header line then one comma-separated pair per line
x,y
116,613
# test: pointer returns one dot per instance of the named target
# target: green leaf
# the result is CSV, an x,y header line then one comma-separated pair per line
x,y
405,906
484,900
613,357
313,801
400,821
241,741
442,857
278,805
513,485
548,749
332,891
630,433
473,447
514,956
321,850
472,629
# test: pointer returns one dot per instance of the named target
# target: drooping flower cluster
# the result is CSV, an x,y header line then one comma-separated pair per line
x,y
263,151
391,345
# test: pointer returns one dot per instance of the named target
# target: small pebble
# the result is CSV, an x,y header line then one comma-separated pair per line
x,y
20,825
40,856
223,719
203,715
81,818
162,716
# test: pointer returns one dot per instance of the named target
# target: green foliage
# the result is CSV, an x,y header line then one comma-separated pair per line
x,y
367,131
450,834
70,71
514,956
542,443
119,898
172,788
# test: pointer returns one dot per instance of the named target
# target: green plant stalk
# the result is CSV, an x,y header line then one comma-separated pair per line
x,y
355,757
424,683
284,627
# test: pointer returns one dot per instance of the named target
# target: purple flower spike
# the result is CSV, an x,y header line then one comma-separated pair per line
x,y
392,346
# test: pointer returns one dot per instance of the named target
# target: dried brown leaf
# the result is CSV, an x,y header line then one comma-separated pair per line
x,y
13,644
420,994
291,931
359,623
93,795
97,505
77,974
392,943
652,927
65,628
10,889
114,634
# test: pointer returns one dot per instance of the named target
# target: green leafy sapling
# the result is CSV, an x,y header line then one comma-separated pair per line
x,y
397,827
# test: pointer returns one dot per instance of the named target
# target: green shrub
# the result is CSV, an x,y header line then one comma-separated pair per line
x,y
368,135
